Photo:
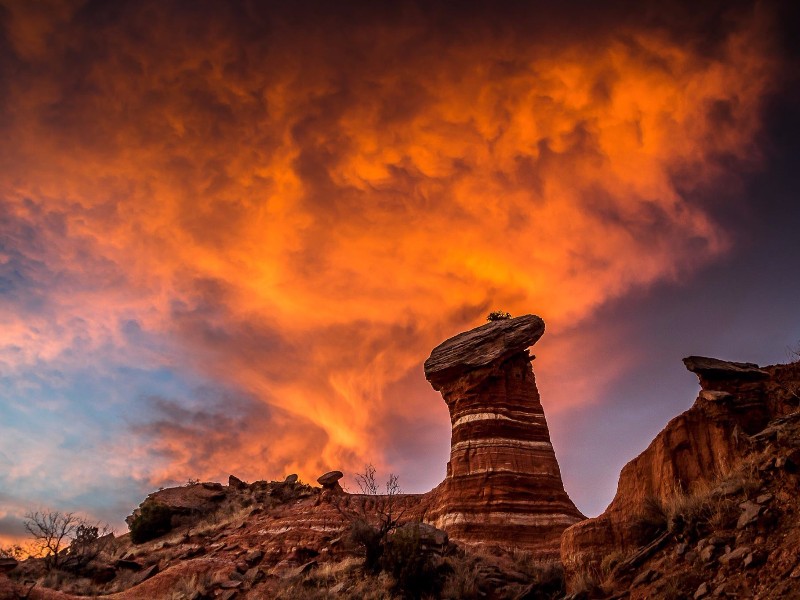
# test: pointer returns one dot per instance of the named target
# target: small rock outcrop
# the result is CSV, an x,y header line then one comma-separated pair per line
x,y
330,480
236,483
7,563
503,483
713,369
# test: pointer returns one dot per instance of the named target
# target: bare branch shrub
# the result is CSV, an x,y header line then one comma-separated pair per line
x,y
51,532
366,481
65,540
371,522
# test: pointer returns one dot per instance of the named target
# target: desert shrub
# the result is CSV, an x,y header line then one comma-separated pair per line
x,y
463,582
610,562
703,510
413,569
54,579
723,514
87,544
549,579
15,551
53,531
523,561
651,520
498,315
194,586
366,481
372,539
586,582
681,586
371,522
153,520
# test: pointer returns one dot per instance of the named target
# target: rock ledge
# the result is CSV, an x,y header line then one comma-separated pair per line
x,y
481,347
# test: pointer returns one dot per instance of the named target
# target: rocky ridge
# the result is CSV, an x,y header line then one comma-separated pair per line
x,y
709,510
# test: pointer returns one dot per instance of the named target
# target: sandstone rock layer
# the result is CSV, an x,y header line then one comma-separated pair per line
x,y
694,451
503,483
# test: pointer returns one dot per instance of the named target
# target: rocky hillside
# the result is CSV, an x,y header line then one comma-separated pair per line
x,y
708,510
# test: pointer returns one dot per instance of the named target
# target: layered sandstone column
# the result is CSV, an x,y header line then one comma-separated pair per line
x,y
503,484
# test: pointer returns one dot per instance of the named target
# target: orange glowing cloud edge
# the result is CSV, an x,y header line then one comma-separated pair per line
x,y
283,206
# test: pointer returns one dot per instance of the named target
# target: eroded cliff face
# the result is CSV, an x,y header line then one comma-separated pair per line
x,y
698,454
503,484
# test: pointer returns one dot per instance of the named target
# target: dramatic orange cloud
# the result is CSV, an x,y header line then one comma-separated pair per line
x,y
302,213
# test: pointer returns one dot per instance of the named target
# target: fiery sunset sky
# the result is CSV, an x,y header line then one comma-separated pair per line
x,y
231,232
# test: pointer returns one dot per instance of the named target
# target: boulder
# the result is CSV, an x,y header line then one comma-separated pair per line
x,y
186,501
330,479
735,557
291,479
236,483
146,574
750,512
130,565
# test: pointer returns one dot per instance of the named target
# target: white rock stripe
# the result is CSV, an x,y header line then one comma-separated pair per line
x,y
504,518
523,472
488,442
286,528
487,416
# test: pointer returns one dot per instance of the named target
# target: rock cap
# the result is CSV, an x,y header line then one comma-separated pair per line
x,y
480,347
714,368
330,479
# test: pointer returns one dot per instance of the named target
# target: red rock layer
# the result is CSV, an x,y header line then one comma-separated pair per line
x,y
503,483
694,449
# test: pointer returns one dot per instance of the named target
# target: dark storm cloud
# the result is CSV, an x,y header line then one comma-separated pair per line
x,y
292,203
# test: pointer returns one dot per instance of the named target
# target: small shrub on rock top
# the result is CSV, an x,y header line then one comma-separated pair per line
x,y
153,520
498,315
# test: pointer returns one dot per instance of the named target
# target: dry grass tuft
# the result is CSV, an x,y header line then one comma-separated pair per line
x,y
463,582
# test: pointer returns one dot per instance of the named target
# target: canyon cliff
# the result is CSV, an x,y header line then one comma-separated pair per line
x,y
708,502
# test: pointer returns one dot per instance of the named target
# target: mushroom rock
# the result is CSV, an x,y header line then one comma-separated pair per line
x,y
503,483
330,480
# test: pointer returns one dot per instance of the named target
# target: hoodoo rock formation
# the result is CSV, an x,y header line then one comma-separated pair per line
x,y
503,483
